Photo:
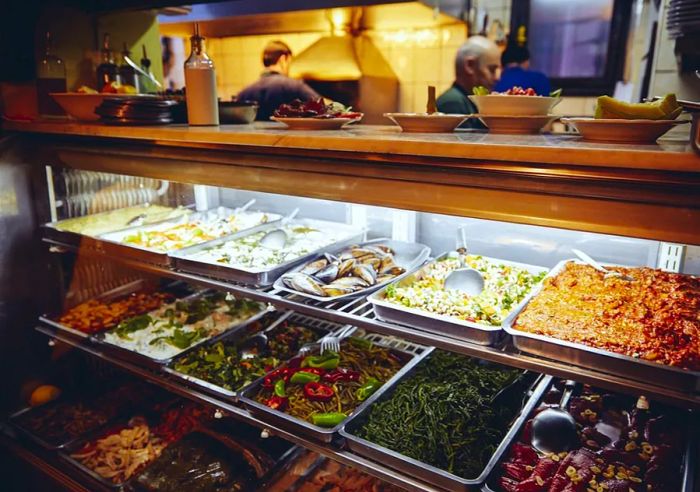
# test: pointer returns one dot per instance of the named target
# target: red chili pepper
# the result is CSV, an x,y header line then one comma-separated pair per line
x,y
281,373
313,370
341,374
318,391
277,402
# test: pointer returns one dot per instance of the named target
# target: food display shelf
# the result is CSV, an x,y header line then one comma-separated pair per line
x,y
177,387
359,312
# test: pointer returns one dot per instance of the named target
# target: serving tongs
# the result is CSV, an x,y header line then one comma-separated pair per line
x,y
608,273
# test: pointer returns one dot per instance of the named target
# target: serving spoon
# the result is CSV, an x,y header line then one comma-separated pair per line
x,y
608,273
277,238
554,429
466,280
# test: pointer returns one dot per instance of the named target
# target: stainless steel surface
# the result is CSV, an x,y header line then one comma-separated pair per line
x,y
321,328
468,280
17,425
183,260
112,243
322,434
595,358
144,359
407,255
451,326
428,473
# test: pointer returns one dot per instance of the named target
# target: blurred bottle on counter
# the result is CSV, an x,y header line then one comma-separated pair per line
x,y
146,85
127,74
50,77
200,85
107,70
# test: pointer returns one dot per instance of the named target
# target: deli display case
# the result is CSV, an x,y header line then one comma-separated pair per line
x,y
272,304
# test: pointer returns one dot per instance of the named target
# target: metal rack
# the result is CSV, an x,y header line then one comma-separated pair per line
x,y
359,312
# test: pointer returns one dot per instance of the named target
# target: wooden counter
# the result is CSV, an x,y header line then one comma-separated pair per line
x,y
668,155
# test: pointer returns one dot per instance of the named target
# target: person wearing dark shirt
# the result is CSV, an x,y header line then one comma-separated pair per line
x,y
275,87
477,63
516,72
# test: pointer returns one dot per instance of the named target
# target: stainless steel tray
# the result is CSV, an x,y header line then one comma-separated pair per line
x,y
185,262
690,460
52,233
411,354
479,333
408,255
595,358
14,420
112,242
321,327
428,473
144,360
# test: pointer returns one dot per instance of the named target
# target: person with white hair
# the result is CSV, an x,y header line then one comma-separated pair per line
x,y
477,63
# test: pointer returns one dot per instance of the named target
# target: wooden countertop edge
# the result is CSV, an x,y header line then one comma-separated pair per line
x,y
535,149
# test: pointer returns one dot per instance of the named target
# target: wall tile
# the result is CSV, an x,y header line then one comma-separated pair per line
x,y
427,64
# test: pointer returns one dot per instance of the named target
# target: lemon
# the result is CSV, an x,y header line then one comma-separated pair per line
x,y
44,394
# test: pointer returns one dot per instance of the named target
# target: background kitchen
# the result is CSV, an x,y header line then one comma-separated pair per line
x,y
380,56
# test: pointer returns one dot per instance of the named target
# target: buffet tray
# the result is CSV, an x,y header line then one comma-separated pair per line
x,y
263,276
14,420
407,255
112,244
410,354
474,332
153,363
689,462
428,473
595,358
321,327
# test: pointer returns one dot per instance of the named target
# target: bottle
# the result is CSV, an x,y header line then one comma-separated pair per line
x,y
50,77
107,71
200,85
146,84
127,74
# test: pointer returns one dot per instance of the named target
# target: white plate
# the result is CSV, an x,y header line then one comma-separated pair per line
x,y
518,125
315,123
427,123
621,131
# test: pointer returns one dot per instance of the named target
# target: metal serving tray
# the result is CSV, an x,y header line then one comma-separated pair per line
x,y
690,460
479,333
595,358
111,243
428,473
151,362
15,420
185,262
407,352
321,327
407,255
52,233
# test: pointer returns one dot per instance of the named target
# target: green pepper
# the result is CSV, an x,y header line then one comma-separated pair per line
x,y
328,419
367,389
280,388
329,360
361,343
303,377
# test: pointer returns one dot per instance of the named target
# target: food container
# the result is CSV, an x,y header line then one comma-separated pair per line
x,y
409,354
321,327
113,243
155,363
427,123
423,471
190,260
407,255
479,333
509,105
81,106
595,358
237,112
688,467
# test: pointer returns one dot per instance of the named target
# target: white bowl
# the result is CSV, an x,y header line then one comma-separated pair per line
x,y
427,123
82,106
505,105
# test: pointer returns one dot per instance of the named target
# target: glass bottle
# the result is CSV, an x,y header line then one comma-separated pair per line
x,y
51,77
127,74
107,70
146,84
200,85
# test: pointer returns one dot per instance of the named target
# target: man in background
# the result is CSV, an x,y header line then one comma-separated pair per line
x,y
275,87
516,71
477,63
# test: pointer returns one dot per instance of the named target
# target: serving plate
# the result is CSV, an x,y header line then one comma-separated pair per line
x,y
479,333
186,259
594,358
509,105
315,123
621,131
407,255
516,125
427,123
409,354
423,471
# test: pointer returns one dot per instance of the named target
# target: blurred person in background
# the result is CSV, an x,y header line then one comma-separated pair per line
x,y
275,87
517,73
477,63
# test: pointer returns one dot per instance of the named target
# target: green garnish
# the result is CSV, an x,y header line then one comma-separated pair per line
x,y
480,90
556,93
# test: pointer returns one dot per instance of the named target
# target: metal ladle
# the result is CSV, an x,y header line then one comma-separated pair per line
x,y
554,429
466,280
277,238
608,273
